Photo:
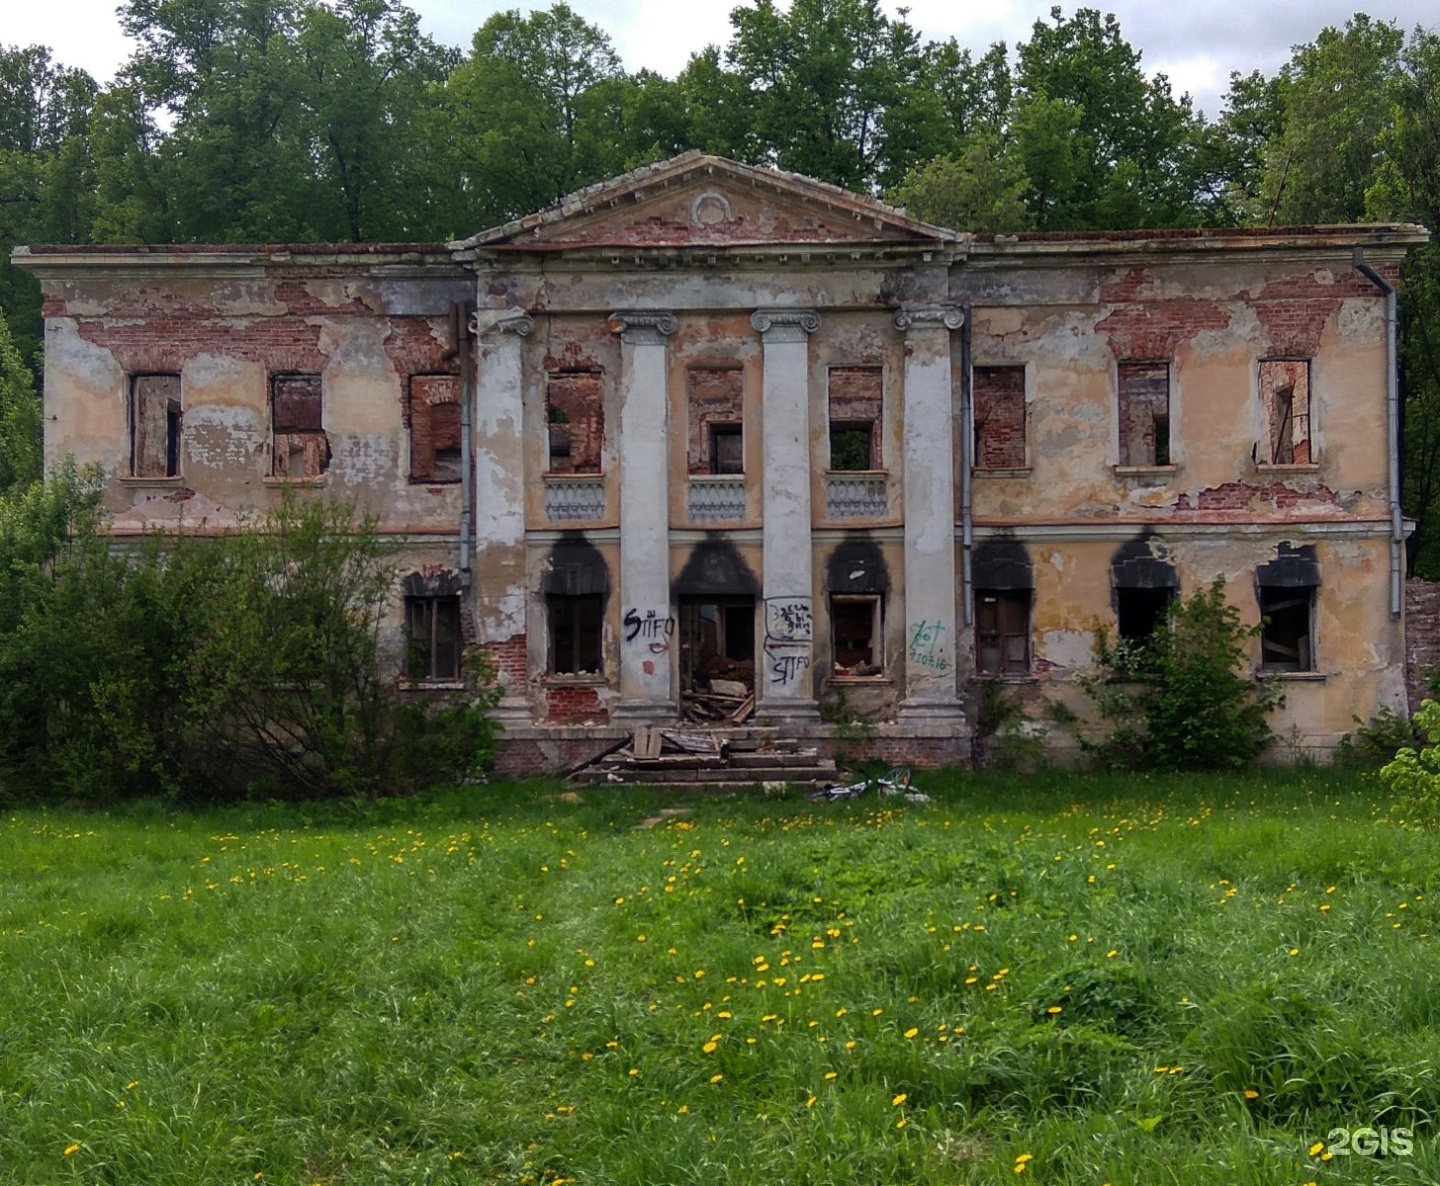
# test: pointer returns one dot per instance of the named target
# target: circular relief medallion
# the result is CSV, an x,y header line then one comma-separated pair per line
x,y
709,209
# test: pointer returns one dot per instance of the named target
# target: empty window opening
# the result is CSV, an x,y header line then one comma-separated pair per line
x,y
432,635
1002,631
1140,611
155,417
575,415
576,623
715,401
1144,389
855,632
856,397
1287,617
301,448
727,449
435,428
999,416
1285,394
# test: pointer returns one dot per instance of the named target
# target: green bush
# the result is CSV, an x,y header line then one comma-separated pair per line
x,y
1181,699
1414,775
206,668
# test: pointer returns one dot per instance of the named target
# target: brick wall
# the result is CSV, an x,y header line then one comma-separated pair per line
x,y
1422,637
714,395
1000,417
532,758
574,705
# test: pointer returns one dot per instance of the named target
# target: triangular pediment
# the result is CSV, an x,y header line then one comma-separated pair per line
x,y
698,200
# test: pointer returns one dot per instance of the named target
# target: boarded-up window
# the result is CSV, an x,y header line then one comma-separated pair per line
x,y
575,416
999,400
432,632
155,426
856,406
855,634
1144,413
435,428
1285,394
715,399
301,448
1002,631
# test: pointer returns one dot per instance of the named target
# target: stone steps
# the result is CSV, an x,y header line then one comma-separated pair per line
x,y
743,758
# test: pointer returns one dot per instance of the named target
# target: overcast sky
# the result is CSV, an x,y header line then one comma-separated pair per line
x,y
1197,44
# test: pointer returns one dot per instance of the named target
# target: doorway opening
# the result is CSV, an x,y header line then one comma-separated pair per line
x,y
717,659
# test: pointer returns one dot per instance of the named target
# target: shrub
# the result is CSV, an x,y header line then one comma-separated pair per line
x,y
1180,700
209,667
1414,775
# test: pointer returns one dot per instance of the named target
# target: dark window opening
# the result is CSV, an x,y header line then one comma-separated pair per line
x,y
301,448
717,642
852,445
1287,614
576,623
1144,401
855,633
1002,632
727,449
155,419
1140,611
432,633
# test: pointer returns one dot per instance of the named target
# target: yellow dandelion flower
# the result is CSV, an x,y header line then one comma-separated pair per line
x,y
901,1123
1251,1094
830,1075
71,1150
634,1071
710,1047
1024,1157
876,1012
1053,1009
899,1099
684,1109
716,1078
1316,1147
911,1032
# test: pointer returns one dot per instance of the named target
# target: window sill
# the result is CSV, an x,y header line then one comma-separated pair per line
x,y
1311,677
1143,471
300,483
167,483
996,677
1267,467
1018,472
412,481
861,679
574,681
857,473
408,684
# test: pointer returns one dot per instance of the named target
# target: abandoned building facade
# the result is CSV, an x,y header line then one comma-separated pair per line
x,y
717,442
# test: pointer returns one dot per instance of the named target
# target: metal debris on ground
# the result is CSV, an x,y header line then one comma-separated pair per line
x,y
895,781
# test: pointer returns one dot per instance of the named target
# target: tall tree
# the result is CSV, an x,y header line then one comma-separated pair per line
x,y
20,418
1134,146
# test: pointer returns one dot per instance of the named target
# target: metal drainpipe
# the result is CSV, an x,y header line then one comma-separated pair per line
x,y
967,466
1392,426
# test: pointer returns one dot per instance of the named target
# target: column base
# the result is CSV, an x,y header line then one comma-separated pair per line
x,y
645,712
788,712
933,711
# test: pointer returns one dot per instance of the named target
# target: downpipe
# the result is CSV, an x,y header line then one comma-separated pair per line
x,y
967,469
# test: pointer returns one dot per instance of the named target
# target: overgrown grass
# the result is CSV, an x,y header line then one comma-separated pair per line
x,y
502,986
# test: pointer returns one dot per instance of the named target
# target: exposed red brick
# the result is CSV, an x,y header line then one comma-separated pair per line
x,y
1157,329
574,705
999,396
714,395
1422,638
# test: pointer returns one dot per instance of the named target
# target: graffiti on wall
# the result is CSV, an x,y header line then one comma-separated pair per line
x,y
926,649
654,629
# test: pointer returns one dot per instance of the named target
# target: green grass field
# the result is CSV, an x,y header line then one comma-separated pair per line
x,y
1064,979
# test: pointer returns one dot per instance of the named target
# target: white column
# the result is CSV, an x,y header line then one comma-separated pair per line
x,y
647,621
498,446
785,684
929,484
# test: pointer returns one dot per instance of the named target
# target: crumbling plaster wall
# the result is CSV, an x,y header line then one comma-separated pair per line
x,y
226,336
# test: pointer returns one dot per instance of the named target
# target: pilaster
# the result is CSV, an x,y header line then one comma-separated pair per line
x,y
785,683
929,499
646,662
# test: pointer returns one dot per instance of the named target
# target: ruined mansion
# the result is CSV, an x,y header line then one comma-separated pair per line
x,y
723,444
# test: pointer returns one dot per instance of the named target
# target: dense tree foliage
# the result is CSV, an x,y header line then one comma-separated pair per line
x,y
285,120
